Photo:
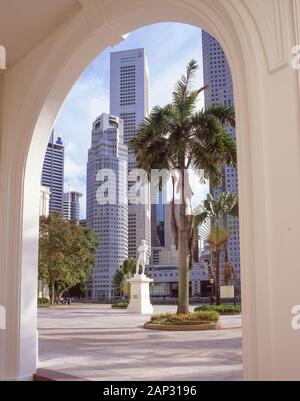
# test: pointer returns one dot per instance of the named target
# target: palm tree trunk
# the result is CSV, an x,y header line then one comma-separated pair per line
x,y
226,257
174,218
184,271
59,296
218,295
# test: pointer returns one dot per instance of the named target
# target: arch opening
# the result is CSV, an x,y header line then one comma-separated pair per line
x,y
162,259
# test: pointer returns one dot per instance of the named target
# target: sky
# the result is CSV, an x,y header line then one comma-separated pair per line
x,y
169,47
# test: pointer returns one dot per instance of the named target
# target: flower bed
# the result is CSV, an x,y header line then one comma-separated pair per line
x,y
185,322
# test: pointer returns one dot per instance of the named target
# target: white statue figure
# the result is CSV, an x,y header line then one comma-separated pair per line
x,y
142,258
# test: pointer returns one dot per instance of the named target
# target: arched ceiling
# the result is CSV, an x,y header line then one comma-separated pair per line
x,y
25,23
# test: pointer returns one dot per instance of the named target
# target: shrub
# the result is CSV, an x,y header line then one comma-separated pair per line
x,y
120,305
43,301
201,316
162,316
221,309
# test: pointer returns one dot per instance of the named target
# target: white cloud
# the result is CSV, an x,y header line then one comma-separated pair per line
x,y
73,169
162,87
87,100
200,190
70,147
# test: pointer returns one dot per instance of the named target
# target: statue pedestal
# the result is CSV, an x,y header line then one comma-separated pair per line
x,y
140,295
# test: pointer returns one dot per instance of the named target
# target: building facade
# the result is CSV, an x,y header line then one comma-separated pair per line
x,y
165,278
107,203
53,173
129,99
71,206
217,75
44,201
82,222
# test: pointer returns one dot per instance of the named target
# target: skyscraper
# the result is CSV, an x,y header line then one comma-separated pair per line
x,y
53,173
107,204
217,74
129,99
157,227
71,206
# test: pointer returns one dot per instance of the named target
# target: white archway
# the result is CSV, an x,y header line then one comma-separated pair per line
x,y
34,91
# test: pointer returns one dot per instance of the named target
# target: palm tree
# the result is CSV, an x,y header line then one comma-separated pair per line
x,y
213,223
177,137
125,272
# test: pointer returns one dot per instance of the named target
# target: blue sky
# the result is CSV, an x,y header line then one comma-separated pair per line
x,y
169,47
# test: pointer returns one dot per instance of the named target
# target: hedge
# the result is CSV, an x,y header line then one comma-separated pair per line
x,y
221,309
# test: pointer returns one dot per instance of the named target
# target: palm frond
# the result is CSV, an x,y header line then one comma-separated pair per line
x,y
225,114
218,236
150,145
188,106
205,162
210,146
184,84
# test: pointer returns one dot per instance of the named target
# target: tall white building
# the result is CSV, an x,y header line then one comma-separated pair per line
x,y
71,206
129,99
107,205
217,74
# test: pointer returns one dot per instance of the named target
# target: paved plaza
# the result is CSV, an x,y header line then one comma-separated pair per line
x,y
95,342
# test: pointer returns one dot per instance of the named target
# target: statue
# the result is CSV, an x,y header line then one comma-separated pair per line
x,y
142,258
140,285
229,273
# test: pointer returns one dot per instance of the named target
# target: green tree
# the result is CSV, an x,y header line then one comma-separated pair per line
x,y
212,219
177,137
125,272
66,254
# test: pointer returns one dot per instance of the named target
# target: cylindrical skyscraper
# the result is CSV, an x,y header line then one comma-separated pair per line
x,y
71,206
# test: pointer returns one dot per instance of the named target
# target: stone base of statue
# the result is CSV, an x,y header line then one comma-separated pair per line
x,y
140,295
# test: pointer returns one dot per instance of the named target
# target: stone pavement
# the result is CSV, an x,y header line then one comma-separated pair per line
x,y
95,342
